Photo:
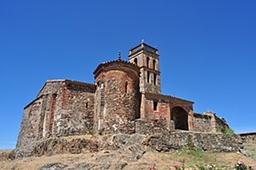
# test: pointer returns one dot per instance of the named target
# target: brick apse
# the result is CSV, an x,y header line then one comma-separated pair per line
x,y
125,98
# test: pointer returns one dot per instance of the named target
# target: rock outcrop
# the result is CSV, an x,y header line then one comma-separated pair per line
x,y
134,143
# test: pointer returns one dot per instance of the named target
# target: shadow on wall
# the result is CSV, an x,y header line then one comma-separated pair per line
x,y
180,118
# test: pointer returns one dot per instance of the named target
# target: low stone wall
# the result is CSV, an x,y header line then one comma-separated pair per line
x,y
249,137
200,141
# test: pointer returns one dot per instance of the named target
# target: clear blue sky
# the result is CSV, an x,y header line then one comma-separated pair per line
x,y
207,51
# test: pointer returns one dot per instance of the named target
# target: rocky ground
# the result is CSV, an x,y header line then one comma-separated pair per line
x,y
120,152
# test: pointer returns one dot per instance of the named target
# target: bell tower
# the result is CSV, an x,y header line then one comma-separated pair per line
x,y
147,59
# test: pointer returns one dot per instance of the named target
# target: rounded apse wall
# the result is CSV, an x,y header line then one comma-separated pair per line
x,y
117,97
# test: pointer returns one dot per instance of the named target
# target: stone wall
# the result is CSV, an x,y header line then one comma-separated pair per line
x,y
33,114
117,97
202,123
62,108
149,127
37,121
51,87
76,116
201,141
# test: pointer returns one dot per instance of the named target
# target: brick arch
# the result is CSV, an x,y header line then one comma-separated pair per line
x,y
185,107
180,118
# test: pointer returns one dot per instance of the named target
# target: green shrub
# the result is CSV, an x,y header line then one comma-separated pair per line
x,y
226,130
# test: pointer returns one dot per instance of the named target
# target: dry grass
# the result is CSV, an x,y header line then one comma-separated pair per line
x,y
163,161
251,149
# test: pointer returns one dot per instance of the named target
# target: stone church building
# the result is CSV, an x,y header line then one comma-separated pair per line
x,y
125,98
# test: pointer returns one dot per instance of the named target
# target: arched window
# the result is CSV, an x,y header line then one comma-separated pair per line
x,y
135,61
154,64
126,87
147,62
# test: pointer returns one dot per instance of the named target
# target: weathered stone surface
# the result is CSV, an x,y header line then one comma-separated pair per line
x,y
53,166
121,165
148,127
136,152
7,155
62,108
54,146
200,141
118,97
122,140
202,123
132,145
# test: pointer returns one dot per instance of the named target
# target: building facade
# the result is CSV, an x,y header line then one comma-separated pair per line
x,y
125,98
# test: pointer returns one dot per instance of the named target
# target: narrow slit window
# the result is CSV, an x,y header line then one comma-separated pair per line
x,y
155,79
148,77
155,105
147,62
126,87
154,64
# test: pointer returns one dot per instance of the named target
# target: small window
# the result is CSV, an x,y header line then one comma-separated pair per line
x,y
155,105
126,87
86,105
136,61
148,77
